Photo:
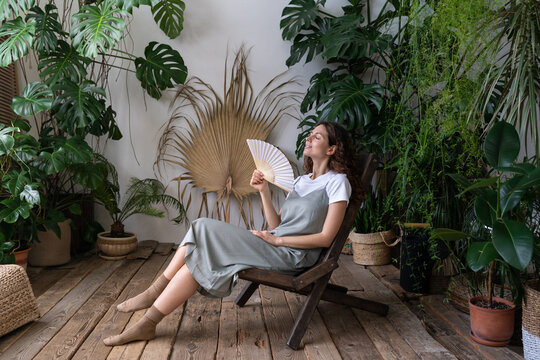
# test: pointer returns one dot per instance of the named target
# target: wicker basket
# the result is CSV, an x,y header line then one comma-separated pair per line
x,y
17,302
459,293
374,248
531,320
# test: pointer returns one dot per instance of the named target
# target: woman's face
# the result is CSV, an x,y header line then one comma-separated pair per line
x,y
317,145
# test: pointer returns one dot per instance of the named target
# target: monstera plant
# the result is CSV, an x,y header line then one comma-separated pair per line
x,y
75,49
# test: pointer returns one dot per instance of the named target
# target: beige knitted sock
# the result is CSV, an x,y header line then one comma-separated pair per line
x,y
144,329
146,298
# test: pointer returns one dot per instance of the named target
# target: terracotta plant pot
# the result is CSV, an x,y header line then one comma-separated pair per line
x,y
50,250
492,327
113,248
21,257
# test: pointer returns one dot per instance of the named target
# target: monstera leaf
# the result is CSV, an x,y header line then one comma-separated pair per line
x,y
48,29
96,28
169,15
62,63
12,7
351,102
308,43
319,86
77,105
128,5
20,37
36,97
298,16
160,68
347,38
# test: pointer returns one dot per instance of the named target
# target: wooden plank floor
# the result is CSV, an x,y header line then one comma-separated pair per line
x,y
78,301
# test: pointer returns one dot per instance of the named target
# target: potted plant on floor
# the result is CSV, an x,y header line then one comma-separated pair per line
x,y
141,198
373,234
498,204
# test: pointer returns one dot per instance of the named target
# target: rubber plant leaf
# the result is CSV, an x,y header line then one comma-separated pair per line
x,y
20,37
36,97
514,242
501,145
480,254
485,208
97,28
160,69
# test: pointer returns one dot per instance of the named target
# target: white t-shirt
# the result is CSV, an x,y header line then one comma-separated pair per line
x,y
337,186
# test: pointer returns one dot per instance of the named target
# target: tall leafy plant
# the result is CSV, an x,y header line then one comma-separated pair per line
x,y
75,50
500,205
351,45
511,88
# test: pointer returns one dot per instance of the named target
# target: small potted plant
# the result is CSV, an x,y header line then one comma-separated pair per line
x,y
373,234
509,246
141,198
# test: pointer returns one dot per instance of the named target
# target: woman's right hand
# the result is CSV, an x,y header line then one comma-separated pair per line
x,y
258,182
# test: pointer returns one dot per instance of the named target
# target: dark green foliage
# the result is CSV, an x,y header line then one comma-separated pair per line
x,y
161,66
169,14
48,29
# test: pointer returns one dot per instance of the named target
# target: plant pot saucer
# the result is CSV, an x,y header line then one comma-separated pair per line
x,y
109,257
489,342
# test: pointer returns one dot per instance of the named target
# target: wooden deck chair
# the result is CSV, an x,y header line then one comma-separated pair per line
x,y
314,281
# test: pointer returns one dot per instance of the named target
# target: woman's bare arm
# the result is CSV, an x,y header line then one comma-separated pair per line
x,y
258,182
332,223
272,217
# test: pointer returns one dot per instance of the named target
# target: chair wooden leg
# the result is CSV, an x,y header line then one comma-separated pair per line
x,y
246,293
306,312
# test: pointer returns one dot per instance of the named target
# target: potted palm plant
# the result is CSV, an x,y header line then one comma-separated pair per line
x,y
141,197
510,245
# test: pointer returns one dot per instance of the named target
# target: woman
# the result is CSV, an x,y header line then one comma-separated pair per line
x,y
213,252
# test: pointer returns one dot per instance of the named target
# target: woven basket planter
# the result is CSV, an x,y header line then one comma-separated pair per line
x,y
374,248
116,248
531,320
17,302
459,293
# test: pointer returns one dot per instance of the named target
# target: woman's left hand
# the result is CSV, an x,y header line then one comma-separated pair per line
x,y
267,236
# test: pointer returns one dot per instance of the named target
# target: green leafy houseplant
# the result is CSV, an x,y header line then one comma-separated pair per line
x,y
141,198
350,46
69,104
510,91
499,204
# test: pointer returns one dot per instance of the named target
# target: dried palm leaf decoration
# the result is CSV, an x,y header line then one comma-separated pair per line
x,y
213,149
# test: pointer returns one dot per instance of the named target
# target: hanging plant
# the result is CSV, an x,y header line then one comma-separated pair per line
x,y
214,152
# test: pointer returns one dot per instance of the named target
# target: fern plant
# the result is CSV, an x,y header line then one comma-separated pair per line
x,y
141,197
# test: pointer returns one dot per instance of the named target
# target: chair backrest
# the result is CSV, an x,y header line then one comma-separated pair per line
x,y
369,164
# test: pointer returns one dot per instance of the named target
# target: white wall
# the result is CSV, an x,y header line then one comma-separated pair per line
x,y
210,28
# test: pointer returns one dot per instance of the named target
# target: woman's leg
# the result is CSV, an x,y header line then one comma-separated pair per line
x,y
181,287
146,298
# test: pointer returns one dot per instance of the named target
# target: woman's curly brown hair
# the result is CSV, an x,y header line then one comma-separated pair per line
x,y
344,160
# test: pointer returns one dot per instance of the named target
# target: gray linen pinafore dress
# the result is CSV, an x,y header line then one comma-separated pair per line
x,y
216,251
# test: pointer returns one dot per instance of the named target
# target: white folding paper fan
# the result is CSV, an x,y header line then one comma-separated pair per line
x,y
272,163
